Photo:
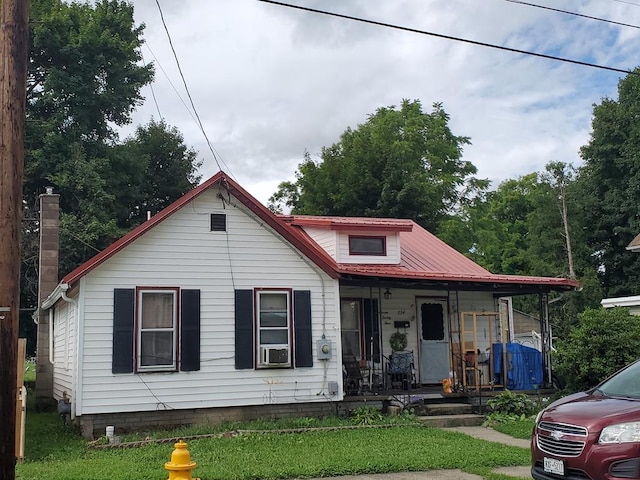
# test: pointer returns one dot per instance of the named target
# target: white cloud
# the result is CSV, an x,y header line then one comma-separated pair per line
x,y
271,82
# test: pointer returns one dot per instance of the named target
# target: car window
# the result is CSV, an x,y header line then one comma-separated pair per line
x,y
623,384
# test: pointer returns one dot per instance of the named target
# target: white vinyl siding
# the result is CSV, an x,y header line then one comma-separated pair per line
x,y
324,237
182,252
64,349
392,240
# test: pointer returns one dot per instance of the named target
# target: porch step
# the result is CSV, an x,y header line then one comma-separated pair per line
x,y
448,421
449,408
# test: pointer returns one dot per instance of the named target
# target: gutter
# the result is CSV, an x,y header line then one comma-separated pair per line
x,y
60,292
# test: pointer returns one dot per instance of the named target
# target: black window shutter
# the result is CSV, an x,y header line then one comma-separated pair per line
x,y
123,327
245,348
190,330
371,329
302,328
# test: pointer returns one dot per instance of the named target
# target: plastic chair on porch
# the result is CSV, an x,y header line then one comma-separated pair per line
x,y
401,370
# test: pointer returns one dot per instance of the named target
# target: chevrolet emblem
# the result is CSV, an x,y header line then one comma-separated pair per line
x,y
556,435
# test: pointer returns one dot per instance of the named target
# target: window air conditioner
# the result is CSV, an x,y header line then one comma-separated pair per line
x,y
274,355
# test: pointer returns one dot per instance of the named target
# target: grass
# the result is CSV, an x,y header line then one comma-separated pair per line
x,y
30,371
56,451
518,428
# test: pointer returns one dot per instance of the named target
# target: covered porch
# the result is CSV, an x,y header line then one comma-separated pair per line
x,y
414,338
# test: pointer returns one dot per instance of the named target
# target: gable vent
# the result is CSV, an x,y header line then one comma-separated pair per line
x,y
218,222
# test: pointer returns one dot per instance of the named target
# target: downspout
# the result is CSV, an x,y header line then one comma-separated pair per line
x,y
64,288
51,356
63,295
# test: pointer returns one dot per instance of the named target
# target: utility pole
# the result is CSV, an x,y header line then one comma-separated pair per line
x,y
14,48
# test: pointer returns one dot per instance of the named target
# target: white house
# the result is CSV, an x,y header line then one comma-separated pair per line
x,y
216,309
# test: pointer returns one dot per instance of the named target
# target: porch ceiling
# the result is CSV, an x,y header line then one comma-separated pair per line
x,y
496,287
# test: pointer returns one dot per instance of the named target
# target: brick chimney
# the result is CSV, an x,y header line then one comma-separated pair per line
x,y
47,282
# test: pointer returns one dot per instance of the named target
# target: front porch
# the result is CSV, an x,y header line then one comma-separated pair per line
x,y
453,342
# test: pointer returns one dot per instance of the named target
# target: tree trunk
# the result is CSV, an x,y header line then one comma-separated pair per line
x,y
565,224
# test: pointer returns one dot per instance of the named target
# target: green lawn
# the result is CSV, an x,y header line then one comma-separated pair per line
x,y
521,428
56,451
29,371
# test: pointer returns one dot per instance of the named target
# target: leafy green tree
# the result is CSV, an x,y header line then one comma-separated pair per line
x,y
521,229
509,229
604,341
609,185
169,170
84,80
402,163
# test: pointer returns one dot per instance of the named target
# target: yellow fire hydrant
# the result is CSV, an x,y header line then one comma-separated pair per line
x,y
180,466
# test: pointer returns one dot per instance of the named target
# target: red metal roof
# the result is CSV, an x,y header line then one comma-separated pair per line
x,y
296,237
423,255
350,223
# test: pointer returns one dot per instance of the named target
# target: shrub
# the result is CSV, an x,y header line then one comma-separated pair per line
x,y
604,341
366,415
512,404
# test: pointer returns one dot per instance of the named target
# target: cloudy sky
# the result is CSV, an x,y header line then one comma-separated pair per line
x,y
270,82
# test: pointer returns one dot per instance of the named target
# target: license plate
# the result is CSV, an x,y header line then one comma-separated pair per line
x,y
551,465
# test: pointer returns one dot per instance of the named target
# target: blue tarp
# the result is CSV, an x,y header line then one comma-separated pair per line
x,y
524,366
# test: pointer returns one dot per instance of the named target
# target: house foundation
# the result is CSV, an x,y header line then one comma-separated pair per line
x,y
94,426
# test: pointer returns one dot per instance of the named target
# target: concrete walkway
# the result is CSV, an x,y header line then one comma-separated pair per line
x,y
483,433
491,435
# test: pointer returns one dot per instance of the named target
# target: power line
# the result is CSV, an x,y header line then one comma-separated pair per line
x,y
157,62
573,13
628,3
184,82
449,37
153,93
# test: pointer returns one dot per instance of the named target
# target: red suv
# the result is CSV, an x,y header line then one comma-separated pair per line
x,y
592,435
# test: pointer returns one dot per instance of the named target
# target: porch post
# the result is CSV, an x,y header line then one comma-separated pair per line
x,y
383,374
545,331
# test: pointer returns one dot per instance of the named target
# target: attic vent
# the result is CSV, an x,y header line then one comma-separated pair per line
x,y
218,222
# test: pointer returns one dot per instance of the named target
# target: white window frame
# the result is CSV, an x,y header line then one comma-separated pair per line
x,y
173,329
259,294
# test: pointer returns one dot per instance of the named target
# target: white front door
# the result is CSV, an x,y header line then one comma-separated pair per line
x,y
434,339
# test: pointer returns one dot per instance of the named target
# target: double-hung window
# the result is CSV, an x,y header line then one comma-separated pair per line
x,y
273,308
157,329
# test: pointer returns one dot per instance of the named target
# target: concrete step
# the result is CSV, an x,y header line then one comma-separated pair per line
x,y
450,421
449,408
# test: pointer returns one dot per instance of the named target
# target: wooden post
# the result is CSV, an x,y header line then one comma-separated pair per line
x,y
14,48
20,413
